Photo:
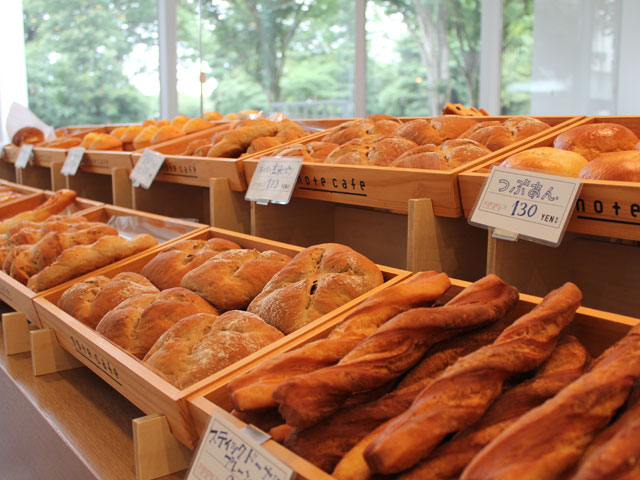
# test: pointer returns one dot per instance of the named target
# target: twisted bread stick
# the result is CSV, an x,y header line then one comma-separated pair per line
x,y
253,390
466,389
51,206
390,351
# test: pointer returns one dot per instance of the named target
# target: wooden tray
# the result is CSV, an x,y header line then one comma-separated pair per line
x,y
390,188
606,208
25,190
596,329
127,374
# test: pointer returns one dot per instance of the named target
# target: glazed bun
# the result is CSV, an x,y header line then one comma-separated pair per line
x,y
27,135
547,159
619,166
593,140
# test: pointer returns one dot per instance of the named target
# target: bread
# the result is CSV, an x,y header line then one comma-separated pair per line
x,y
88,139
253,390
459,109
62,142
235,142
137,323
289,135
390,351
54,204
594,139
166,133
263,143
316,281
27,135
380,151
166,269
345,132
617,166
196,125
131,133
104,141
88,301
179,121
450,154
310,152
143,139
212,116
200,345
380,124
548,440
193,145
548,160
461,395
496,135
567,362
232,279
81,259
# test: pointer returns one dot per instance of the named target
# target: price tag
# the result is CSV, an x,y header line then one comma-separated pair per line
x,y
146,169
24,155
537,206
73,161
226,453
274,180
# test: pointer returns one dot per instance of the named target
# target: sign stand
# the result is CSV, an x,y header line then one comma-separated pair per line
x,y
15,329
47,356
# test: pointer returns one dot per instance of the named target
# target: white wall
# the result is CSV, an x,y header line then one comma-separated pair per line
x,y
629,65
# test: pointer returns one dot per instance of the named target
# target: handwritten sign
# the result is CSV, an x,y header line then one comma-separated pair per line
x,y
274,180
73,161
537,206
146,169
24,155
226,453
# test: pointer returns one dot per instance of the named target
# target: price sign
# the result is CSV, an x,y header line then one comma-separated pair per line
x,y
146,169
535,205
226,453
274,180
73,161
24,155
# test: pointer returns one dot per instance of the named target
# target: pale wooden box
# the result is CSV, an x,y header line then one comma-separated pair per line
x,y
596,329
130,376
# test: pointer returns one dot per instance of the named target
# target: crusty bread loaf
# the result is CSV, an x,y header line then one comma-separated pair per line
x,y
345,132
378,151
450,154
195,125
232,279
617,166
88,301
167,268
193,145
253,390
496,135
235,142
310,152
461,395
104,141
316,281
81,259
166,133
137,323
459,109
143,138
594,139
200,345
550,439
54,204
547,159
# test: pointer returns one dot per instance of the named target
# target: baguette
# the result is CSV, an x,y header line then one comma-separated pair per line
x,y
85,258
465,390
253,390
54,204
390,351
551,438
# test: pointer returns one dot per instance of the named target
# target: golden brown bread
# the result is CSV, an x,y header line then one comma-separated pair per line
x,y
378,151
617,166
88,301
547,159
62,142
316,281
567,362
232,279
200,345
459,109
27,135
104,141
130,133
496,135
193,145
460,396
179,121
81,259
345,132
435,130
253,390
310,152
235,142
143,139
54,204
594,139
195,125
137,323
390,351
263,143
450,154
289,134
212,116
167,269
550,439
166,133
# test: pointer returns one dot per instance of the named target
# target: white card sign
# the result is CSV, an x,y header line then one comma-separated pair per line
x,y
73,161
537,206
24,155
227,453
146,169
274,180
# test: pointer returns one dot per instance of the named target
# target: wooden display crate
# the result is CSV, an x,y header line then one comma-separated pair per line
x,y
23,189
43,170
12,292
596,329
390,188
127,374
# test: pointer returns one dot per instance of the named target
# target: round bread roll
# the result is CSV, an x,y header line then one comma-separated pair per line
x,y
27,135
594,139
231,279
617,166
89,300
137,323
547,159
316,281
167,268
200,345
